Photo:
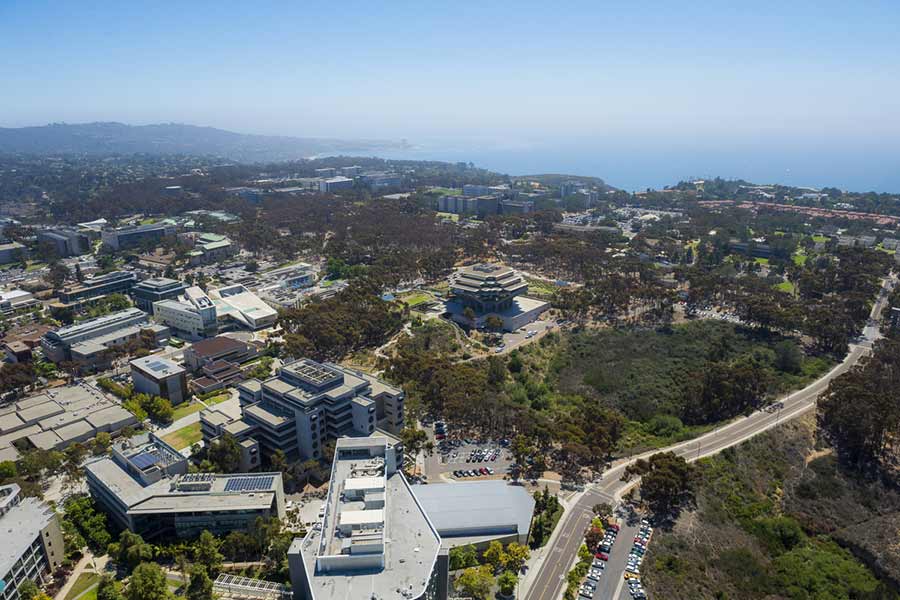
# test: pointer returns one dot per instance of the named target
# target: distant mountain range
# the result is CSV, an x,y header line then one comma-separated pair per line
x,y
175,138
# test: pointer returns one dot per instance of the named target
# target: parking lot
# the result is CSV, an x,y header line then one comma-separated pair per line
x,y
468,460
611,585
530,332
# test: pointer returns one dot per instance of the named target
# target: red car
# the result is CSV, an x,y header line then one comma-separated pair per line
x,y
602,556
613,526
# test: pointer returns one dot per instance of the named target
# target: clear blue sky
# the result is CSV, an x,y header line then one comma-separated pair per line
x,y
748,72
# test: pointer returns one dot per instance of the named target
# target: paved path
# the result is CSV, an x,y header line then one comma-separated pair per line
x,y
88,564
549,584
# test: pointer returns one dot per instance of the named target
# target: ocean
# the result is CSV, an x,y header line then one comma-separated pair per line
x,y
637,166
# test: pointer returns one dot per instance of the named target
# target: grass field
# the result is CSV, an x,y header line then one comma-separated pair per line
x,y
785,286
445,191
820,239
762,261
540,288
84,582
416,298
800,257
34,266
452,216
184,437
193,406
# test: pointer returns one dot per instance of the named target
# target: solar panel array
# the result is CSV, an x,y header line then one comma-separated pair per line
x,y
248,484
144,460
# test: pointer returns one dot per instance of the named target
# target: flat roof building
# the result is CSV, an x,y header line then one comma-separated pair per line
x,y
478,511
161,377
192,316
114,282
148,291
145,487
13,300
32,541
86,340
129,237
374,539
11,252
334,184
65,241
308,403
58,417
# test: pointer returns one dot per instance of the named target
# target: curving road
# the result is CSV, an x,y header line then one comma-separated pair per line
x,y
550,581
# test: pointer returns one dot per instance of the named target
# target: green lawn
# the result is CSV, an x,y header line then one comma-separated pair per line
x,y
800,257
540,288
189,408
785,286
184,437
218,398
416,298
452,216
762,261
34,266
820,239
445,191
84,581
186,408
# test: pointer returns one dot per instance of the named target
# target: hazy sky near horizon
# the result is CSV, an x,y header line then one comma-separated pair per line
x,y
749,72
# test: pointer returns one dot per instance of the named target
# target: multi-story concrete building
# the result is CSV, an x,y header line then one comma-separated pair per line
x,y
211,248
326,172
380,179
144,487
130,237
88,340
114,282
148,291
238,307
192,316
472,189
374,539
487,287
219,349
13,300
160,377
334,184
567,188
492,290
308,403
66,242
32,541
11,252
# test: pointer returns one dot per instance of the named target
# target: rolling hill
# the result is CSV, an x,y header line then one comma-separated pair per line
x,y
173,138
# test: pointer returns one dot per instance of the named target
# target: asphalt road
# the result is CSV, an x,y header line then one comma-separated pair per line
x,y
550,582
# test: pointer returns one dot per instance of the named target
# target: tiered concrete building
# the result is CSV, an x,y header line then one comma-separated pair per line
x,y
308,403
491,289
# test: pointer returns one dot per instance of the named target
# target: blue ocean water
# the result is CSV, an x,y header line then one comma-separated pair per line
x,y
635,166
